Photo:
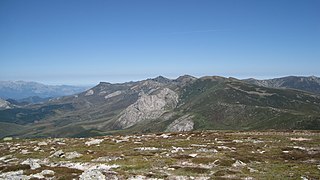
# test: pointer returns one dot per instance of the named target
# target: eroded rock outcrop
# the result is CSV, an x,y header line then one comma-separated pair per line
x,y
148,106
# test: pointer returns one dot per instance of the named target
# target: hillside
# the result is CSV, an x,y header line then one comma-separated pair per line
x,y
309,84
161,104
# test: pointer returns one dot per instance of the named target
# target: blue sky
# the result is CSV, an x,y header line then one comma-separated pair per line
x,y
85,42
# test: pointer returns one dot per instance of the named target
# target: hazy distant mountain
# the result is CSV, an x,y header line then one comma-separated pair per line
x,y
310,84
21,89
161,104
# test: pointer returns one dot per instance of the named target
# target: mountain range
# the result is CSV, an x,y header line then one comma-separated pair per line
x,y
23,90
161,104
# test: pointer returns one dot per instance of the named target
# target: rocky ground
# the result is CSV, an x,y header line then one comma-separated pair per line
x,y
193,155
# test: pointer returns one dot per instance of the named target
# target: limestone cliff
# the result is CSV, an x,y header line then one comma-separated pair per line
x,y
148,106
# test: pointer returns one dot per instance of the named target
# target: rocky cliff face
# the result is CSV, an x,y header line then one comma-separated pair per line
x,y
148,106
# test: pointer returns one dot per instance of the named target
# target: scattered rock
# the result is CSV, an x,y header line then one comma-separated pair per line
x,y
237,141
5,157
106,159
93,142
25,151
193,155
92,174
252,170
207,150
72,155
14,175
239,163
198,145
59,154
176,149
147,149
300,139
33,163
165,136
47,172
42,143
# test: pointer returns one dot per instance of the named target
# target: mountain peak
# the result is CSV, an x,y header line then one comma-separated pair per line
x,y
162,79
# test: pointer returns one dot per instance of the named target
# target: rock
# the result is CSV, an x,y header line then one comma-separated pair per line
x,y
300,139
59,154
147,149
7,139
93,142
193,155
72,155
42,143
37,176
116,93
25,151
237,141
14,175
239,163
106,159
207,150
42,174
176,149
33,163
92,174
138,177
89,92
148,106
47,172
165,136
6,157
184,123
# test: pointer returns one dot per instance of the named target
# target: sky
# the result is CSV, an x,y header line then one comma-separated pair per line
x,y
82,42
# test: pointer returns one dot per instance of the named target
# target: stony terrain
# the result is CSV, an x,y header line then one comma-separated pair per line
x,y
186,155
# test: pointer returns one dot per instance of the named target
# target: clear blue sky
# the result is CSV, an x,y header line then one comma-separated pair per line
x,y
84,42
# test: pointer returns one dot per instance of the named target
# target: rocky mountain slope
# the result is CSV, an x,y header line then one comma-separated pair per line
x,y
22,89
162,104
309,84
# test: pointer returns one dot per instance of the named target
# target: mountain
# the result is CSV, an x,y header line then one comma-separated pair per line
x,y
309,84
21,89
161,104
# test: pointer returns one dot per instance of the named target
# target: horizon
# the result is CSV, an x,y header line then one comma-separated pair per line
x,y
135,80
83,43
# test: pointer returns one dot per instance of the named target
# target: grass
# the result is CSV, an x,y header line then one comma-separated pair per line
x,y
261,151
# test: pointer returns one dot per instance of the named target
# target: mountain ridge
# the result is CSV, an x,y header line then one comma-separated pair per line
x,y
162,104
305,83
24,89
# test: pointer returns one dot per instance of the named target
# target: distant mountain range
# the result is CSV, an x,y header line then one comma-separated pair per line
x,y
21,89
310,84
161,104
